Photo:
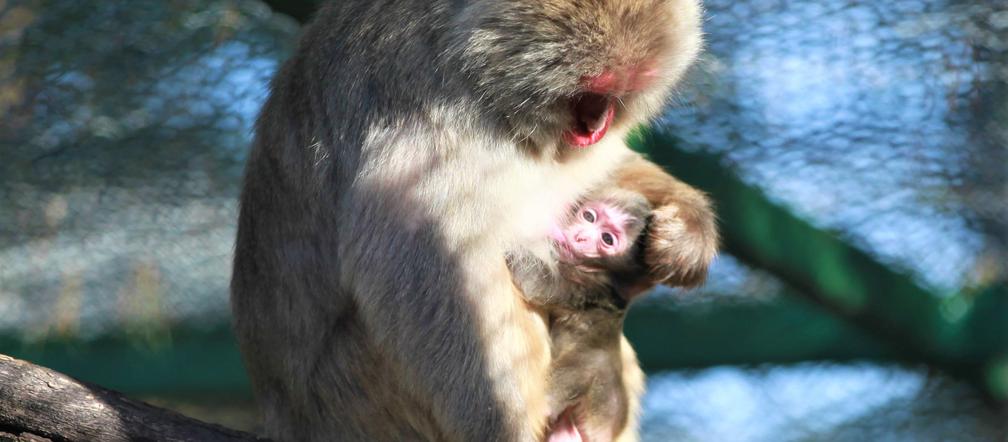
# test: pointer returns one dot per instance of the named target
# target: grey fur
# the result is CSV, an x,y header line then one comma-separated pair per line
x,y
370,295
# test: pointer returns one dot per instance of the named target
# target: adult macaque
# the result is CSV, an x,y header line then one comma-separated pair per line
x,y
404,148
583,292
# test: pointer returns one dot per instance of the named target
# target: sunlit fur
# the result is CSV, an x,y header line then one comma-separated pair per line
x,y
527,56
393,165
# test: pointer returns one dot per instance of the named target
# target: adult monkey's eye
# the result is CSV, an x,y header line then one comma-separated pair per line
x,y
588,215
608,238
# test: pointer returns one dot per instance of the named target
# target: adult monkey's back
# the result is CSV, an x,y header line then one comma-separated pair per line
x,y
404,148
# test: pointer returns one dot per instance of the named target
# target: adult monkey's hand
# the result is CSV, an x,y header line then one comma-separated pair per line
x,y
682,234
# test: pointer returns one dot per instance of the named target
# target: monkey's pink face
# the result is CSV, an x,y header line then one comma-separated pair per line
x,y
568,72
596,232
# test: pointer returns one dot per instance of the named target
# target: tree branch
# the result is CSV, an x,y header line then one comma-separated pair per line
x,y
40,404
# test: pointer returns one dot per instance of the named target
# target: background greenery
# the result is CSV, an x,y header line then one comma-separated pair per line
x,y
858,153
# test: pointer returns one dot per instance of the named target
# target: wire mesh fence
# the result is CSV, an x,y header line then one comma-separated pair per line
x,y
885,121
124,126
124,131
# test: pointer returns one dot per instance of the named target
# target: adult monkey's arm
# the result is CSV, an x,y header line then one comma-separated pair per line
x,y
683,237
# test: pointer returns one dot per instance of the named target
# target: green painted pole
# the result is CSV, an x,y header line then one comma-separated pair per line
x,y
206,362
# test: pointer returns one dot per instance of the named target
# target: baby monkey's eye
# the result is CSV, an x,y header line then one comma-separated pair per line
x,y
608,238
588,215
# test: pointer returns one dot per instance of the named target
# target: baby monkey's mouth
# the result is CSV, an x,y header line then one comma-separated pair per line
x,y
592,114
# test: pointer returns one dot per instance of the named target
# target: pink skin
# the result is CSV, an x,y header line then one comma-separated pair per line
x,y
597,231
585,138
620,81
565,430
610,84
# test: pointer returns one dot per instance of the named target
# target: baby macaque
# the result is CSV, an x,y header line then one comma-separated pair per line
x,y
585,293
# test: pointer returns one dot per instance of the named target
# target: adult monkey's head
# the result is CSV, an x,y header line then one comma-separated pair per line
x,y
571,72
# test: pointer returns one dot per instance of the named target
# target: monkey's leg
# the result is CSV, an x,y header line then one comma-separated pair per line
x,y
633,385
682,237
447,319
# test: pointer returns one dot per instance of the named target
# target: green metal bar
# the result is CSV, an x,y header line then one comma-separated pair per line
x,y
788,330
195,362
988,338
187,363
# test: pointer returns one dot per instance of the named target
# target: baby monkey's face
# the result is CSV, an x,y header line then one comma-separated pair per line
x,y
598,230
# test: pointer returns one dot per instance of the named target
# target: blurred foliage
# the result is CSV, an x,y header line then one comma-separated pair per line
x,y
124,125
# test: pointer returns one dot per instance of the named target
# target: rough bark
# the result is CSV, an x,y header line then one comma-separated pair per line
x,y
38,404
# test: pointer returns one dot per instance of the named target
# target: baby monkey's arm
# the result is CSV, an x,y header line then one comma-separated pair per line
x,y
562,285
540,283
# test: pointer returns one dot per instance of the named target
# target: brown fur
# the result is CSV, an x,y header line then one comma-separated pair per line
x,y
404,148
591,379
684,238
